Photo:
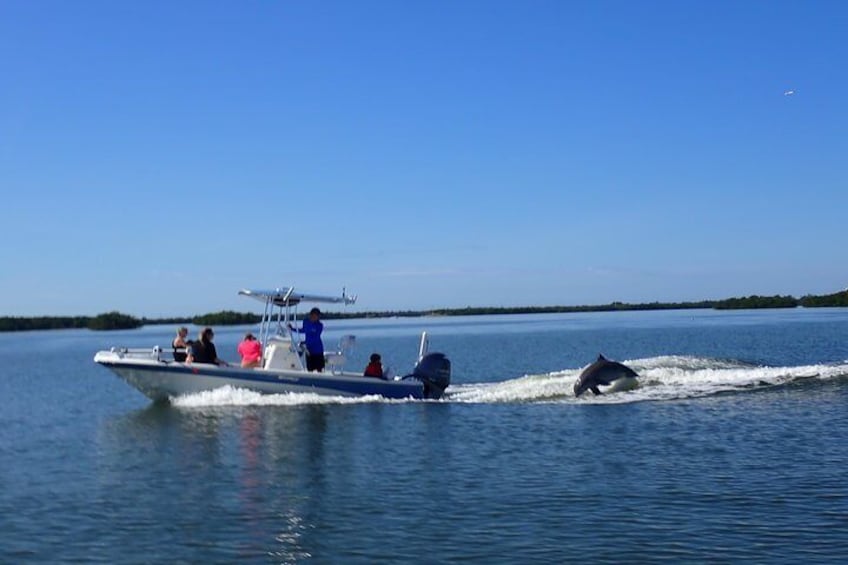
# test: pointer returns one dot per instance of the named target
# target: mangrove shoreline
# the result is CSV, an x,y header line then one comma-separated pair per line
x,y
119,321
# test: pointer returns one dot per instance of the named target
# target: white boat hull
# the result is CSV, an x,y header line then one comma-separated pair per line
x,y
162,380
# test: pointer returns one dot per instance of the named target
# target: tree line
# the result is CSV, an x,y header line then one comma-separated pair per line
x,y
105,321
118,321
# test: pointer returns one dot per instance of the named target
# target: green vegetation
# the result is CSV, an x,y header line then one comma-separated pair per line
x,y
754,301
19,324
107,321
839,299
612,307
836,299
226,318
113,321
174,321
117,320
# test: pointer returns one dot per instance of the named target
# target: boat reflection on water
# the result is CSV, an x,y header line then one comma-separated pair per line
x,y
256,468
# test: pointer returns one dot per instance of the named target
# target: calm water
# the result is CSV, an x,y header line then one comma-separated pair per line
x,y
732,449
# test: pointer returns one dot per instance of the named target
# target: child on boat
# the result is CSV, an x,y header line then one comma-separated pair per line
x,y
375,367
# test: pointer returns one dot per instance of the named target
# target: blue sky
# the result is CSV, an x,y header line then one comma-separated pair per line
x,y
155,157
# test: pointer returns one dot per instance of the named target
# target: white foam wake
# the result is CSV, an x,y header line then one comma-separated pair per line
x,y
660,378
530,388
232,396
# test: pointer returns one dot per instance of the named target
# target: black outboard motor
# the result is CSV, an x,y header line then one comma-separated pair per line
x,y
434,370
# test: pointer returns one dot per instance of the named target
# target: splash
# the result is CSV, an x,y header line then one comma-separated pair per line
x,y
661,378
233,396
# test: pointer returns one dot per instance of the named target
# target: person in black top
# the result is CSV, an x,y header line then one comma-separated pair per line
x,y
180,345
203,350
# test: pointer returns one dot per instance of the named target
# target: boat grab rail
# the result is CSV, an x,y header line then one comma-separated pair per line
x,y
154,353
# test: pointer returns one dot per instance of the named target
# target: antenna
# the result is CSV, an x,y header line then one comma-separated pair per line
x,y
347,299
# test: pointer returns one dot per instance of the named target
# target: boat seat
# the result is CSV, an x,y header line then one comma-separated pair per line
x,y
279,354
335,360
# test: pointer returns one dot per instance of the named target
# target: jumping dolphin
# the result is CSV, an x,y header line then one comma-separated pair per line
x,y
605,372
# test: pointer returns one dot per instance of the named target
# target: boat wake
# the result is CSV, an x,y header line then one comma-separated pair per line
x,y
660,378
233,396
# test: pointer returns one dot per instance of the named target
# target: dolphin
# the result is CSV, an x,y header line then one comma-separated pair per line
x,y
605,372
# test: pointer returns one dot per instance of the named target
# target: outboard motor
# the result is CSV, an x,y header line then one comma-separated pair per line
x,y
434,370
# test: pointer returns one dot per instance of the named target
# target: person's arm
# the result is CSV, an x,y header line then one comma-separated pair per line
x,y
194,349
217,360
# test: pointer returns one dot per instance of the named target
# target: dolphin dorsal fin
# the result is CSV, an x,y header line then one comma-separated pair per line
x,y
601,357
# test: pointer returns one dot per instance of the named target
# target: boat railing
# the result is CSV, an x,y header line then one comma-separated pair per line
x,y
423,346
155,353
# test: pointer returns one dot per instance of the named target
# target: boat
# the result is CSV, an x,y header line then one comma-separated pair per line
x,y
156,374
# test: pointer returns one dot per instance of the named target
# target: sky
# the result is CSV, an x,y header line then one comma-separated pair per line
x,y
156,157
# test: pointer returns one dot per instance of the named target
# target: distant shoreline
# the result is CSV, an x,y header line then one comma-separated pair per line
x,y
119,321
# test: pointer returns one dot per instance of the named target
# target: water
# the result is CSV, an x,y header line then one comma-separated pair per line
x,y
732,449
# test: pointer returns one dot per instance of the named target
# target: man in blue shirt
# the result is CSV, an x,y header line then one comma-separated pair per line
x,y
312,328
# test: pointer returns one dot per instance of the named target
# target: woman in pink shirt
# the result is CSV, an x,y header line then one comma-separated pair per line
x,y
250,350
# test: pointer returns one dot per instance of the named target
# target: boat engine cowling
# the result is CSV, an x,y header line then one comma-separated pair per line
x,y
434,370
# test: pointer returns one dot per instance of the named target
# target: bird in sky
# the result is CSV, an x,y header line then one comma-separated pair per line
x,y
788,92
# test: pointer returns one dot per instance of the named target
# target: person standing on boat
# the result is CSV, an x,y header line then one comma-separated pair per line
x,y
203,350
180,345
312,328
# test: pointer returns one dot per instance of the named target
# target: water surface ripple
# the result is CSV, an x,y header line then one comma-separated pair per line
x,y
732,450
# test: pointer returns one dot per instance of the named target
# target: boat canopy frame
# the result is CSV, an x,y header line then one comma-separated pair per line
x,y
281,305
